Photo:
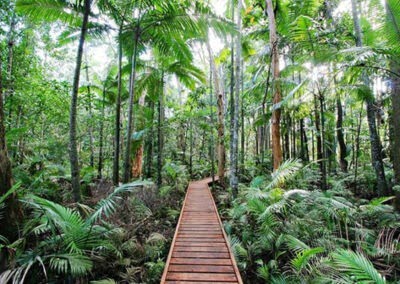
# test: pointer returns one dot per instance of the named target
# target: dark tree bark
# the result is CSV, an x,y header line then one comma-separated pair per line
x,y
303,142
12,212
117,134
73,151
160,120
395,67
101,136
90,124
339,134
376,148
191,146
356,151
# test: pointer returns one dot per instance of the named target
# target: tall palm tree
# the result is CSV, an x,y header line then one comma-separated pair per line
x,y
376,148
70,13
152,81
160,24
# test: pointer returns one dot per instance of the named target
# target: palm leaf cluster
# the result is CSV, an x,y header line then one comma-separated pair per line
x,y
286,234
67,242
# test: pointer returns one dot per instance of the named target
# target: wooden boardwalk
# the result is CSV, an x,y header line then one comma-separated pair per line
x,y
200,252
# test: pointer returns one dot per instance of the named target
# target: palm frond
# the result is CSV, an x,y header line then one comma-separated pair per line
x,y
74,264
357,266
108,206
49,10
284,172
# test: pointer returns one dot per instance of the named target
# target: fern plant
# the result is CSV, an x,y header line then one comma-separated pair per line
x,y
67,243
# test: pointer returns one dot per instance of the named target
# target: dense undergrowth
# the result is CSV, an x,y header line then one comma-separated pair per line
x,y
283,229
117,235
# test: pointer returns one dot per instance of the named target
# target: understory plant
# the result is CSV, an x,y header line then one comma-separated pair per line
x,y
282,234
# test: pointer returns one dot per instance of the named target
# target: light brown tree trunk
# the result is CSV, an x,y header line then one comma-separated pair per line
x,y
220,116
276,113
130,124
137,163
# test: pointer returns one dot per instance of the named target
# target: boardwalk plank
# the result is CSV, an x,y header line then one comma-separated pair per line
x,y
200,252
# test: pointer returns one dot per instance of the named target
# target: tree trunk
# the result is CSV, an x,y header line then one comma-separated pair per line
x,y
137,163
276,113
101,136
130,126
149,144
191,146
320,150
117,134
90,124
303,142
73,151
11,212
10,64
395,67
376,148
160,132
220,122
235,112
339,133
356,151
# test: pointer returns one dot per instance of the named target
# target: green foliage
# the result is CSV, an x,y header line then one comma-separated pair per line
x,y
359,268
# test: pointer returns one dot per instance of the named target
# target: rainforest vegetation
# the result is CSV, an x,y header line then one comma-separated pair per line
x,y
108,108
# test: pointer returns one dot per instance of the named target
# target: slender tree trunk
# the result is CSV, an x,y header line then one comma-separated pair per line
x,y
90,124
356,151
130,126
160,132
303,142
191,145
117,134
235,112
101,136
395,67
276,113
220,122
149,144
339,133
73,151
376,148
243,135
211,142
10,64
320,151
232,92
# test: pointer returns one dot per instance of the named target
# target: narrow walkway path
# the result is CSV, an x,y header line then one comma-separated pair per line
x,y
200,251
